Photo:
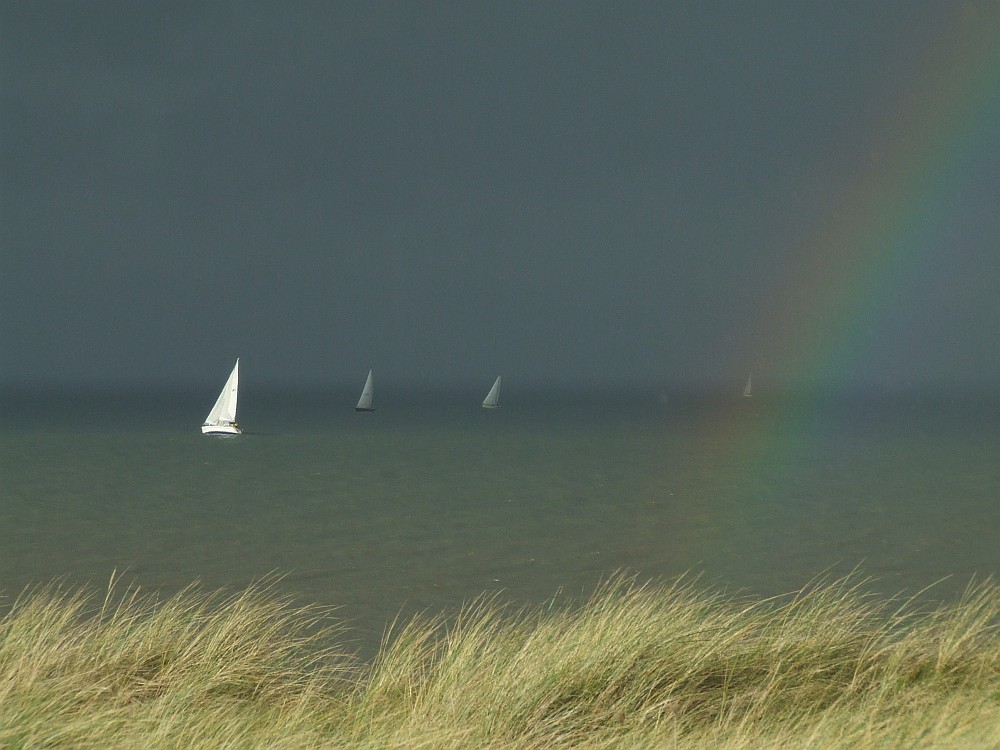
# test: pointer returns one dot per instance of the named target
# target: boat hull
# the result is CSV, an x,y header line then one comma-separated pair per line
x,y
220,429
363,408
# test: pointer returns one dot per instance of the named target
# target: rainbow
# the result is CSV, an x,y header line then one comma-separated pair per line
x,y
862,258
879,242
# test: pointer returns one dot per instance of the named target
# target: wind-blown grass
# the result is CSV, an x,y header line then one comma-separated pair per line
x,y
636,666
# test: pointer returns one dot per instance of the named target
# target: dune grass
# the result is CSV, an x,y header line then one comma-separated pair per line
x,y
636,666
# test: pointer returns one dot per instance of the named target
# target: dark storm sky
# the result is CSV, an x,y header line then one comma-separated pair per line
x,y
584,192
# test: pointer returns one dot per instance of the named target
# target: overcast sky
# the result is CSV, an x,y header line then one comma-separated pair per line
x,y
586,192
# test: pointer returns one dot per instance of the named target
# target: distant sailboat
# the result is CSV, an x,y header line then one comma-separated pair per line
x,y
748,387
222,419
365,402
492,400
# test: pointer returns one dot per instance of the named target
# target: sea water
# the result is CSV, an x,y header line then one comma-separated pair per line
x,y
432,501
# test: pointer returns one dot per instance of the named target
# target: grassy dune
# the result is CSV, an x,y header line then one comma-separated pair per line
x,y
654,666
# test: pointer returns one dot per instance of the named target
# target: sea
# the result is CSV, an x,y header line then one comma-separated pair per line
x,y
430,502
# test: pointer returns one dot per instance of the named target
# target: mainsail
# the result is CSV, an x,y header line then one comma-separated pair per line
x,y
365,402
492,400
222,418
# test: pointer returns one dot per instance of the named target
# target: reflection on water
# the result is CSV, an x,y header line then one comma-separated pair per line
x,y
422,506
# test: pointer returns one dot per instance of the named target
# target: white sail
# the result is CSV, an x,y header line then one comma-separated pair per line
x,y
747,388
365,402
492,400
222,419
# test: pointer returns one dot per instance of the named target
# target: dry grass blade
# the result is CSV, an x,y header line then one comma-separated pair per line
x,y
636,665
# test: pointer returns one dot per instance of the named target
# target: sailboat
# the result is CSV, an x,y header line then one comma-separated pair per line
x,y
222,419
748,387
365,402
492,400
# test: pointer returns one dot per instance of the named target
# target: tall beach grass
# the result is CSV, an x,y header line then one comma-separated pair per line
x,y
671,665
